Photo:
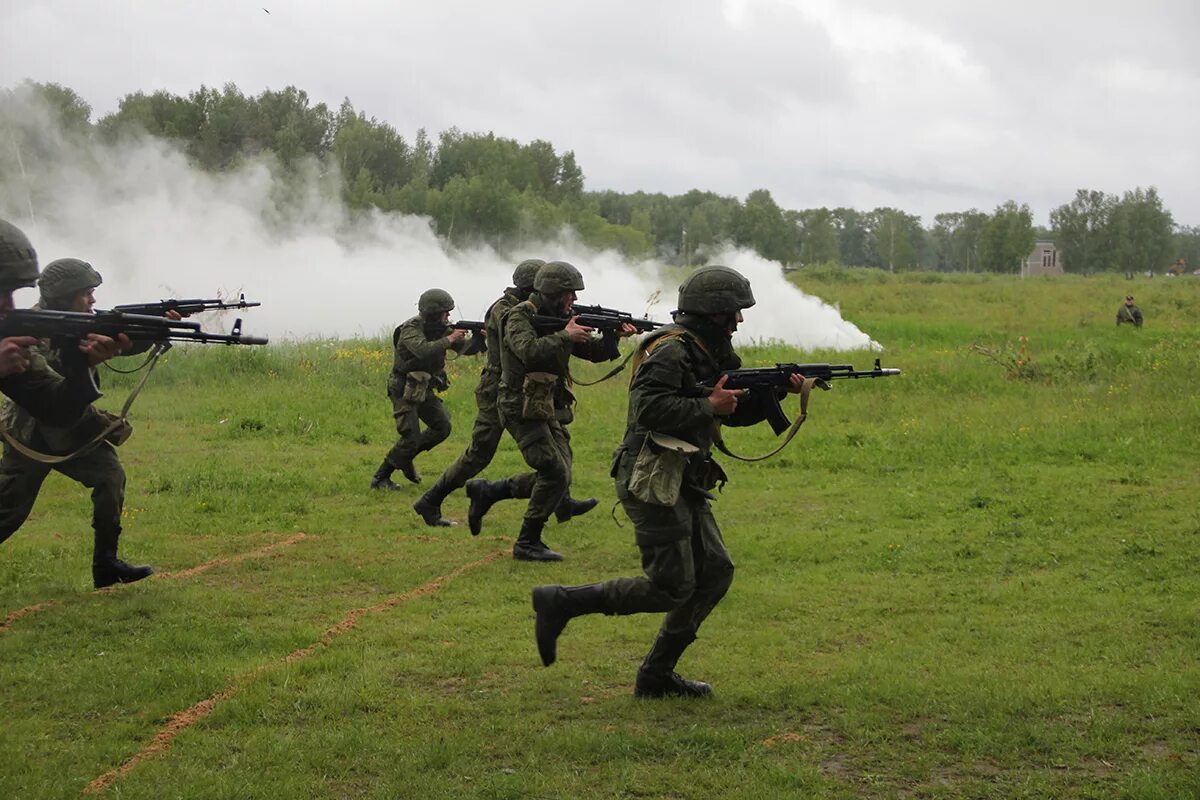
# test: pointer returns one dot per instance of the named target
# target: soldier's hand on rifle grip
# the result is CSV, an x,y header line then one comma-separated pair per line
x,y
99,349
172,314
627,330
796,383
578,333
724,401
14,354
456,335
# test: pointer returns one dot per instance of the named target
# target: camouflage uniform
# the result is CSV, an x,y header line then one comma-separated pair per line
x,y
542,436
488,429
51,397
1129,313
687,567
97,467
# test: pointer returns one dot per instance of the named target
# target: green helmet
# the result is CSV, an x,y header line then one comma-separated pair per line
x,y
525,273
715,290
557,277
434,301
18,259
65,277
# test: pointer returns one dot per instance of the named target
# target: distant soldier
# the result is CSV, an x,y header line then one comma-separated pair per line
x,y
418,374
68,284
25,377
535,405
664,479
1129,313
488,430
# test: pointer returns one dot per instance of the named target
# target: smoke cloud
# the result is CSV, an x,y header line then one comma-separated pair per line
x,y
156,227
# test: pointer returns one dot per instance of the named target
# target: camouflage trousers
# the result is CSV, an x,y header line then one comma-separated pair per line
x,y
546,448
99,470
485,439
685,576
409,416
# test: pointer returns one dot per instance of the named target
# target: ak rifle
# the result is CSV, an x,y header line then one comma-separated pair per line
x,y
778,378
183,307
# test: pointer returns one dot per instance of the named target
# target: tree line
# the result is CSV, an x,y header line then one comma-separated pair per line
x,y
479,187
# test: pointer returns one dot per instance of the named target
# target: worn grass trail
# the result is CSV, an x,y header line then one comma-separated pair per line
x,y
976,580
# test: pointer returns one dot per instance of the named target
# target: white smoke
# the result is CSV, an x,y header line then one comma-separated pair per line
x,y
156,227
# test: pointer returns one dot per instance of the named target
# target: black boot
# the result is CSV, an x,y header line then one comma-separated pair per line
x,y
570,507
555,605
382,479
657,676
405,464
484,495
529,545
429,505
107,569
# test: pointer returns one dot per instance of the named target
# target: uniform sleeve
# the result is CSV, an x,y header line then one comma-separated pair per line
x,y
412,338
656,392
603,348
50,397
522,338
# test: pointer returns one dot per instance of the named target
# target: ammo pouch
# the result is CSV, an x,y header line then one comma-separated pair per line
x,y
538,390
658,470
416,387
121,429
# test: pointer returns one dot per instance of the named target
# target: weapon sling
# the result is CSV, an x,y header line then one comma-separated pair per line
x,y
45,458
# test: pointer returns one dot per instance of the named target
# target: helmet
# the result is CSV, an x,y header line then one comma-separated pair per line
x,y
525,272
434,301
18,260
715,290
65,277
557,277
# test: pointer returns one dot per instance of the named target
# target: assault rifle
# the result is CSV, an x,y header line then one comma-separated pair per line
x,y
184,307
478,343
606,319
46,324
779,377
641,323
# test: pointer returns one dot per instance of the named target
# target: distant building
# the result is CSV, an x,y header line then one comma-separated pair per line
x,y
1043,260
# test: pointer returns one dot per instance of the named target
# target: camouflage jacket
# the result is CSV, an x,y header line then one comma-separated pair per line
x,y
493,320
1131,314
421,348
47,411
523,350
662,397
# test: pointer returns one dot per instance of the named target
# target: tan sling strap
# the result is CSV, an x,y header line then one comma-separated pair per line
x,y
45,458
805,390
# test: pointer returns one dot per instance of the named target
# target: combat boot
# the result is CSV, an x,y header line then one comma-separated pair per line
x,y
429,506
529,545
407,468
570,507
555,606
382,479
484,495
657,676
107,569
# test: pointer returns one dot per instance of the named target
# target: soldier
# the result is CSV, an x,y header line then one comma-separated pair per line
x,y
418,373
25,377
485,436
535,405
68,284
664,476
1129,313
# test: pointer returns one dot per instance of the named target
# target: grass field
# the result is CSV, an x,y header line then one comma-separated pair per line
x,y
977,580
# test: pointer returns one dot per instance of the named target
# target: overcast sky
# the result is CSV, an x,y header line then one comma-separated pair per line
x,y
926,105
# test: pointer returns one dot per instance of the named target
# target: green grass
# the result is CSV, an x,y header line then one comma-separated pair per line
x,y
953,584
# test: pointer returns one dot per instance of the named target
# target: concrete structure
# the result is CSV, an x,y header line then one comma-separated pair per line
x,y
1043,260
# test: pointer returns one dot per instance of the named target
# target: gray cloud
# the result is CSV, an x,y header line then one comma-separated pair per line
x,y
929,105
